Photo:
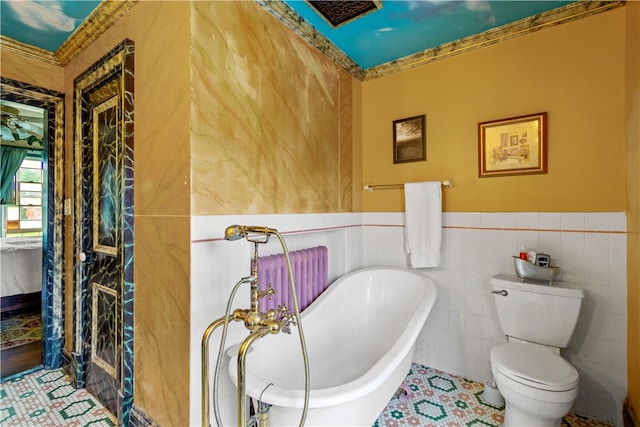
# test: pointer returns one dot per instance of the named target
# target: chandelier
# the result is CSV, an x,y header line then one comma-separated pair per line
x,y
15,127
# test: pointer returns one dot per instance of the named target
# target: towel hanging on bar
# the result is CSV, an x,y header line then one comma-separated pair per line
x,y
423,223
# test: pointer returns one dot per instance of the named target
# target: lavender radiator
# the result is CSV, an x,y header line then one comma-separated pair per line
x,y
310,273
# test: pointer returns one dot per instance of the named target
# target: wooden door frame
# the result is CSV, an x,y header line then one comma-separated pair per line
x,y
53,227
119,60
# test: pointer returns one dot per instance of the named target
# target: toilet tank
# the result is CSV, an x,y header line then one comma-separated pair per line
x,y
537,312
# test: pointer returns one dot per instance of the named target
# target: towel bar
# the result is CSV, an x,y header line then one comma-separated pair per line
x,y
370,187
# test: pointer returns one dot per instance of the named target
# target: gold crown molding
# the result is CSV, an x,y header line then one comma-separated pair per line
x,y
101,19
571,12
106,14
10,45
291,19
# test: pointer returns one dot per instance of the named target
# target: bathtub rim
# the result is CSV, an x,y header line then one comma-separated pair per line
x,y
372,378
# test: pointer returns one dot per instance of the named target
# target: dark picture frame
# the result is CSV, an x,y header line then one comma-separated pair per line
x,y
409,139
513,146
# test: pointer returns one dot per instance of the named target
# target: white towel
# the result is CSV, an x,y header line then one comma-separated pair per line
x,y
423,222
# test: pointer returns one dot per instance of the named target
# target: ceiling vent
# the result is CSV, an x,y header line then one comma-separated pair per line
x,y
338,13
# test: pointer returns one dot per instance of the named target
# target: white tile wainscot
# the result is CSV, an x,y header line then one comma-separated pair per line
x,y
590,249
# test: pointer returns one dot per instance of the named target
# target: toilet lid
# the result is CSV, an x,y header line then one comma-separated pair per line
x,y
535,366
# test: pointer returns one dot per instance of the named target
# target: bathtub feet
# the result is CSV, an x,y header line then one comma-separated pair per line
x,y
404,392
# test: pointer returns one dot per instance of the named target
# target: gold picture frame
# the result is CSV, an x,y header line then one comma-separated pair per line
x,y
409,139
513,146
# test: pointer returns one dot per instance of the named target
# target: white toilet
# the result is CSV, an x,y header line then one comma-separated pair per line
x,y
537,384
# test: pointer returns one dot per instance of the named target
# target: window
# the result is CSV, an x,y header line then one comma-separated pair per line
x,y
24,216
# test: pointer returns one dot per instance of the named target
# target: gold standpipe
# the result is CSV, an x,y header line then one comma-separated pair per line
x,y
238,315
259,323
270,326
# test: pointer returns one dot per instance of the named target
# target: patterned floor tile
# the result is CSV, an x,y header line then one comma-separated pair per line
x,y
46,398
429,397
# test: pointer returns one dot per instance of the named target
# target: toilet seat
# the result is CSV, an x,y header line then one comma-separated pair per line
x,y
535,367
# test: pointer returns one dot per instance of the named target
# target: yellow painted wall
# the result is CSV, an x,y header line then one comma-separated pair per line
x,y
573,71
271,117
31,70
632,115
160,31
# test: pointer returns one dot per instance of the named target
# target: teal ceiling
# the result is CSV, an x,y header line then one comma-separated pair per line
x,y
43,23
398,29
401,28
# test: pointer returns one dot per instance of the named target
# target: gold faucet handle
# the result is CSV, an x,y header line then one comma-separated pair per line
x,y
270,292
284,310
287,317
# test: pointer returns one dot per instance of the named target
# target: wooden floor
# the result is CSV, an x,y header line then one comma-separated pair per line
x,y
23,357
20,358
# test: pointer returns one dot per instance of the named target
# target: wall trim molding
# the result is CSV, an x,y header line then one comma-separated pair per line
x,y
106,14
14,46
289,224
138,418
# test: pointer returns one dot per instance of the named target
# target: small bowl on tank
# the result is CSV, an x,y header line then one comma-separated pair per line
x,y
527,270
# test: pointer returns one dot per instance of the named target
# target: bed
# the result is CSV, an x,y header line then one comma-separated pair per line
x,y
20,272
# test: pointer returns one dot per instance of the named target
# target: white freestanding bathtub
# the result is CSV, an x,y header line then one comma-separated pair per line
x,y
360,336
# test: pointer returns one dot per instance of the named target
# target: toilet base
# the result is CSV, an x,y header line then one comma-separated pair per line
x,y
527,406
515,417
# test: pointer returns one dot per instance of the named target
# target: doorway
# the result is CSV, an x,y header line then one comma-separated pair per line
x,y
22,196
42,208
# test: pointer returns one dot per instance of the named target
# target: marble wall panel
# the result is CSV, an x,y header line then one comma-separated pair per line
x,y
266,131
161,33
161,344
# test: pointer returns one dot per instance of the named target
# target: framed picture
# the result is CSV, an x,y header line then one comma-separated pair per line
x,y
513,146
409,139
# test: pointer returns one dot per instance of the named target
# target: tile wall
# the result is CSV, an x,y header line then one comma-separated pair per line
x,y
590,249
217,265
